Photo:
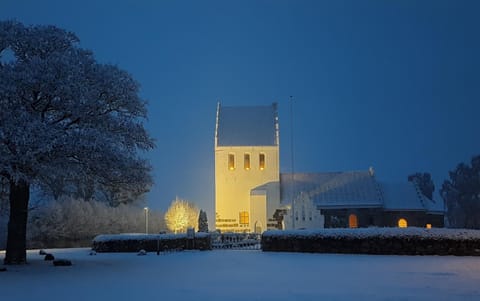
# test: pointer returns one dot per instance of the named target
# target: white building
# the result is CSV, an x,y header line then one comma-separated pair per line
x,y
246,167
252,196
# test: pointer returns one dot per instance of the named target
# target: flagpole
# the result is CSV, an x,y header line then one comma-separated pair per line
x,y
292,161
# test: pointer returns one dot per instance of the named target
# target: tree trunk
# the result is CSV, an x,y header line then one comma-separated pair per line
x,y
17,224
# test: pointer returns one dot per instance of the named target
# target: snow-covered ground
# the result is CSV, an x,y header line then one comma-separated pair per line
x,y
241,275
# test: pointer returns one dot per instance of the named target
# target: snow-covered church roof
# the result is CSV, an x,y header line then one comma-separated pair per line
x,y
333,189
355,189
247,126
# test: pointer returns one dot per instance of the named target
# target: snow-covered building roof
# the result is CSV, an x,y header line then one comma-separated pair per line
x,y
403,196
247,126
408,197
355,189
333,189
435,207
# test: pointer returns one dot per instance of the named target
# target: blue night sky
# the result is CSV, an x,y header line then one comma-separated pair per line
x,y
389,84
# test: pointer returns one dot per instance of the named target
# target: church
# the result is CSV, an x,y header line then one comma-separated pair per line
x,y
251,195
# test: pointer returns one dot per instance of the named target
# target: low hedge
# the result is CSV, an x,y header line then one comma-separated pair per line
x,y
387,241
150,242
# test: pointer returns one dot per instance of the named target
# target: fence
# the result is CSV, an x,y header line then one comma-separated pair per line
x,y
236,241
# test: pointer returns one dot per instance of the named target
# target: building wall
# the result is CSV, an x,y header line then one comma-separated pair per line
x,y
304,215
377,217
233,185
258,212
264,206
414,219
273,204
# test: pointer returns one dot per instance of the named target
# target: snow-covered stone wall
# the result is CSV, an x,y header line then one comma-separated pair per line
x,y
391,241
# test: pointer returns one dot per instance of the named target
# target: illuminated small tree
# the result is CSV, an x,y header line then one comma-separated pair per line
x,y
181,215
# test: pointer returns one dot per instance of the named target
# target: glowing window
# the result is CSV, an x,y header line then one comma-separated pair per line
x,y
402,223
352,221
261,161
231,161
429,226
244,219
246,161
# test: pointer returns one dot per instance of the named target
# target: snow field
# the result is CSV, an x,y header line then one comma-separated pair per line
x,y
241,275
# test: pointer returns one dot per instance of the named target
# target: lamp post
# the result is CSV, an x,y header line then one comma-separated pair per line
x,y
146,219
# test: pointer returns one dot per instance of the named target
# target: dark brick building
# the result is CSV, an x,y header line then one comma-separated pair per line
x,y
355,199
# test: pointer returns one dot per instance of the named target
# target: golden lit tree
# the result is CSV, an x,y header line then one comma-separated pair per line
x,y
181,215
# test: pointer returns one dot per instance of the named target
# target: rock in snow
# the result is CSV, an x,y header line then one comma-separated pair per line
x,y
49,257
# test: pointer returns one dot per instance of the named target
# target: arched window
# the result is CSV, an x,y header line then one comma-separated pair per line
x,y
402,223
261,161
246,161
258,227
352,221
231,161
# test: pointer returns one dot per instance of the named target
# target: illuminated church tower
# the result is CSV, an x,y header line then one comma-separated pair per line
x,y
246,167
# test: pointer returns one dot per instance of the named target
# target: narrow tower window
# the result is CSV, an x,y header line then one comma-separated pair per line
x,y
261,161
246,161
231,161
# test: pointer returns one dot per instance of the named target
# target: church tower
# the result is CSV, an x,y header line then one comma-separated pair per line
x,y
246,157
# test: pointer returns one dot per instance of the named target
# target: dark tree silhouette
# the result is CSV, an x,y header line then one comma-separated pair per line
x,y
461,194
202,222
424,182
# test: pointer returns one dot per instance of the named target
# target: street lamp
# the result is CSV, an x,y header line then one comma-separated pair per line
x,y
146,219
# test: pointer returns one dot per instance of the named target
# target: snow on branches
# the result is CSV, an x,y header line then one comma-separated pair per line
x,y
65,116
181,215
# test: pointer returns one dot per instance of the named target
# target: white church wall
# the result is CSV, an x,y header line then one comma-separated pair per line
x,y
303,214
258,210
234,183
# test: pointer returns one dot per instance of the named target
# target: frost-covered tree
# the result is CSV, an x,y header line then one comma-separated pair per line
x,y
64,117
110,193
181,215
461,194
202,222
73,221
